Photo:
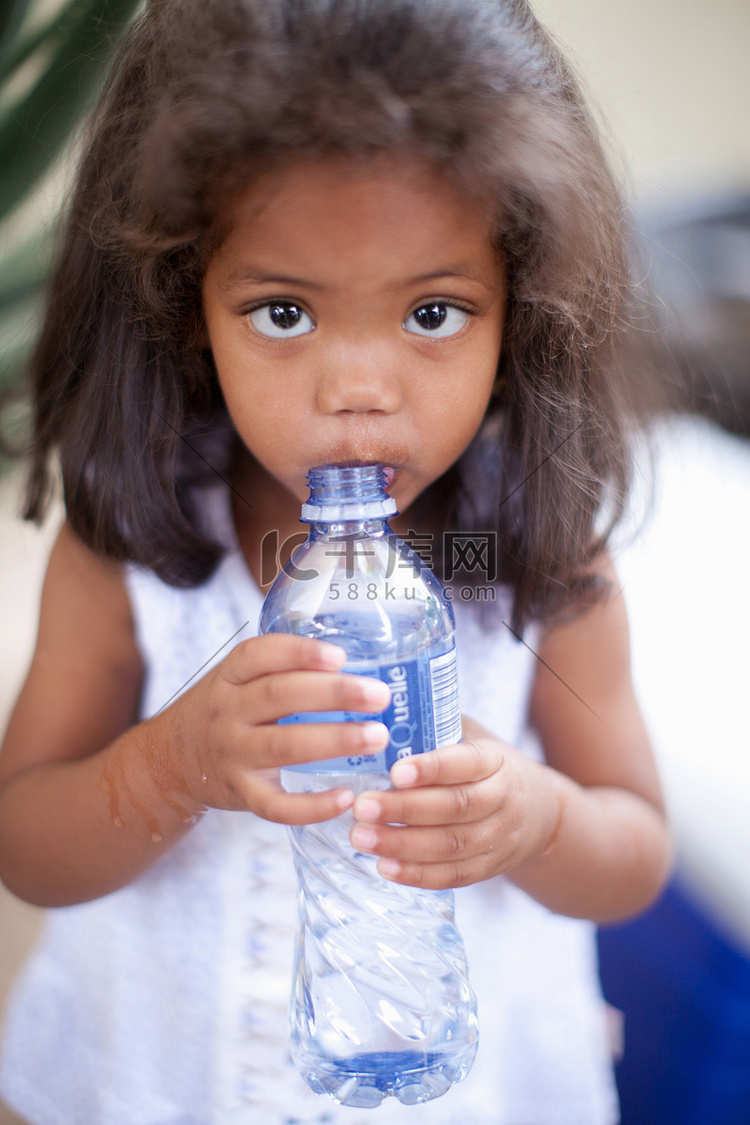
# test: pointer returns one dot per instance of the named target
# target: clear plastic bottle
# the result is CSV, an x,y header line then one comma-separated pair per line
x,y
381,1003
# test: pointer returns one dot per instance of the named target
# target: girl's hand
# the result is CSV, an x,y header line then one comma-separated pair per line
x,y
231,747
459,814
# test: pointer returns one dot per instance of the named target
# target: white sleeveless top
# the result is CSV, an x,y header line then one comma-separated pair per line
x,y
165,1003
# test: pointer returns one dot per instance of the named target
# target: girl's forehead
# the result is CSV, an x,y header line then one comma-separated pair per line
x,y
302,206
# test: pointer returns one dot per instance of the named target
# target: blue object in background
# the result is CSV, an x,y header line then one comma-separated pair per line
x,y
685,991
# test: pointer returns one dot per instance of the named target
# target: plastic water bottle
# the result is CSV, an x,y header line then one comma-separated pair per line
x,y
381,1003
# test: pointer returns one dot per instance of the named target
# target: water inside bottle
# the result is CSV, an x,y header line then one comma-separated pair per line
x,y
367,1018
381,1005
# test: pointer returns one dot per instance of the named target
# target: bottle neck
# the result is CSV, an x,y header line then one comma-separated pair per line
x,y
348,495
350,529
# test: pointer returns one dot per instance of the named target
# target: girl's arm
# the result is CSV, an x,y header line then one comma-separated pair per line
x,y
89,798
584,834
610,851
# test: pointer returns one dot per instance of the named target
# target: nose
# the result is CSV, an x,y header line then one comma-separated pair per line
x,y
360,381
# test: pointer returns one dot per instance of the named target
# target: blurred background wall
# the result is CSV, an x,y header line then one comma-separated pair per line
x,y
671,81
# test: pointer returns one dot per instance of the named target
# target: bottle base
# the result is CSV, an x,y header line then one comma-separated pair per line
x,y
364,1081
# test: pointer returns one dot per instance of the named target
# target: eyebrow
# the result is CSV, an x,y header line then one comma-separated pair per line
x,y
454,271
250,276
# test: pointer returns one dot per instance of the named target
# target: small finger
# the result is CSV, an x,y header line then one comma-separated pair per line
x,y
278,652
286,744
430,876
441,844
311,808
269,800
279,694
447,804
459,762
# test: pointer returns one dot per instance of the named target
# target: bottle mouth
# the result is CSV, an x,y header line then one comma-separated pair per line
x,y
348,492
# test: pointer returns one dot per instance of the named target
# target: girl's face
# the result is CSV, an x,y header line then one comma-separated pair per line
x,y
355,313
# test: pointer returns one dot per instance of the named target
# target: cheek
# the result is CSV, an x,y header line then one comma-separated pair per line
x,y
272,425
250,392
457,414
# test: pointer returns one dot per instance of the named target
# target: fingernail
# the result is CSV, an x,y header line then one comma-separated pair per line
x,y
363,838
345,799
333,656
388,868
375,734
376,693
403,773
367,809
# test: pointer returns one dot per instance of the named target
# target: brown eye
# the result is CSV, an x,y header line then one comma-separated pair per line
x,y
279,320
436,319
430,317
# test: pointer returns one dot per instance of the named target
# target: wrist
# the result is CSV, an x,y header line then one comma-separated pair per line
x,y
552,803
175,771
146,782
560,804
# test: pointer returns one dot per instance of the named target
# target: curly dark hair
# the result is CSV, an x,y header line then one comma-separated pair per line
x,y
206,95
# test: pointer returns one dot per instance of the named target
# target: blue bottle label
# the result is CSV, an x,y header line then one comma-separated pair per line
x,y
424,713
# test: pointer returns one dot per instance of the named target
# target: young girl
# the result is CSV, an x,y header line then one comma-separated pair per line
x,y
310,232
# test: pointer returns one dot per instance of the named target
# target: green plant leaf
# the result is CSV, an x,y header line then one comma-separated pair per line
x,y
12,15
32,133
72,50
23,271
19,327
